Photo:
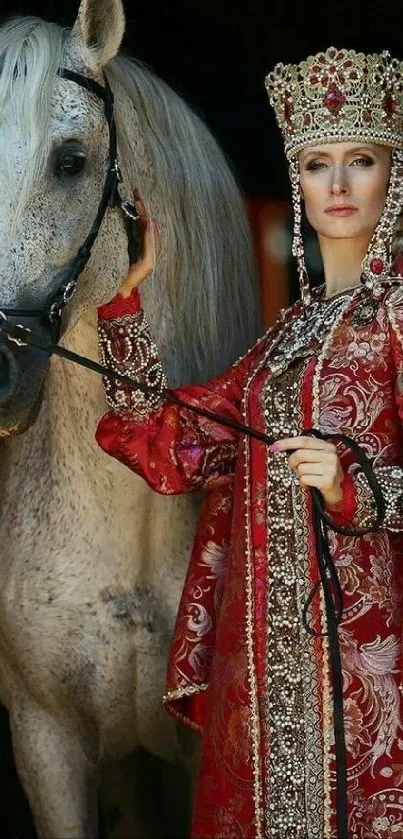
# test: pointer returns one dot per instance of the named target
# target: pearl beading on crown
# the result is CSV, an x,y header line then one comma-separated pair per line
x,y
338,96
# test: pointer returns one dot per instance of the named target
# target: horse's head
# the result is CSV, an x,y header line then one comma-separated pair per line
x,y
55,148
55,151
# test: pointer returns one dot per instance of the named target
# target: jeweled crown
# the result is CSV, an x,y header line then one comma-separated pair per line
x,y
338,96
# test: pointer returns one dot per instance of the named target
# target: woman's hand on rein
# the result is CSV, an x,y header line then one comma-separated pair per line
x,y
145,265
316,464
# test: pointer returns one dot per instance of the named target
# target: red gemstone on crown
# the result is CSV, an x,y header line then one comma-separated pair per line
x,y
389,104
287,110
334,99
376,266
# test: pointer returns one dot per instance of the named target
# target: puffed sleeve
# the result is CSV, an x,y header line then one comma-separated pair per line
x,y
172,448
358,505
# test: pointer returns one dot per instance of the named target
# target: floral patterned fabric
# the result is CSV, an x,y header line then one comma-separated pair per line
x,y
242,668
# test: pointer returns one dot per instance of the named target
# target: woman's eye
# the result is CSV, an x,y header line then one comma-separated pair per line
x,y
70,160
314,165
363,161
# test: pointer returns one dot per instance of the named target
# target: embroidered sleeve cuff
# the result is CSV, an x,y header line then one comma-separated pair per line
x,y
120,306
358,507
390,479
126,347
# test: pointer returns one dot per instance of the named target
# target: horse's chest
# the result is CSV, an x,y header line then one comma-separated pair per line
x,y
78,643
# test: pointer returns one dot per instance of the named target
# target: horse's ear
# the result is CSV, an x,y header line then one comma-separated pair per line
x,y
98,31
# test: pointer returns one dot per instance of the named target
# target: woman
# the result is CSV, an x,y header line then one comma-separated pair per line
x,y
252,619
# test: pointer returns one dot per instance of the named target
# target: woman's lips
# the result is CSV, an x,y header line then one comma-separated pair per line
x,y
341,211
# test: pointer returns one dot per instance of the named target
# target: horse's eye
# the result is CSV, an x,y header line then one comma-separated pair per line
x,y
70,160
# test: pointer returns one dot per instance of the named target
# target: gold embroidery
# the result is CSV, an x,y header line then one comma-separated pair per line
x,y
293,712
313,660
126,347
180,693
284,708
274,336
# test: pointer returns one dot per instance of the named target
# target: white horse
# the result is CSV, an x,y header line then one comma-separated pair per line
x,y
92,562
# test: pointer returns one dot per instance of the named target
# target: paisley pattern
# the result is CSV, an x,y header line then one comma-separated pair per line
x,y
126,347
242,668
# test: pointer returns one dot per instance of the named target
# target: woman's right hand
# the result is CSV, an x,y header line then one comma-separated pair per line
x,y
145,265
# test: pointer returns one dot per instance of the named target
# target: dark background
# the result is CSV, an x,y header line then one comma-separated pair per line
x,y
217,52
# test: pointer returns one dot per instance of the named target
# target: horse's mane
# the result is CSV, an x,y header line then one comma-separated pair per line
x,y
31,51
207,277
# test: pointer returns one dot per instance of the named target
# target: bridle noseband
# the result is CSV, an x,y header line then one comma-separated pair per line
x,y
51,314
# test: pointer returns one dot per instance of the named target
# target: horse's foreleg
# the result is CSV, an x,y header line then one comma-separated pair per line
x,y
58,780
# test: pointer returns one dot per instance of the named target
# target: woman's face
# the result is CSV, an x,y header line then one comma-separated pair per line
x,y
344,187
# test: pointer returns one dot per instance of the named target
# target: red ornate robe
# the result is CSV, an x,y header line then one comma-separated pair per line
x,y
243,670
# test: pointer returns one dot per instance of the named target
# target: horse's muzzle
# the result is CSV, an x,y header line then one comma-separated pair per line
x,y
22,373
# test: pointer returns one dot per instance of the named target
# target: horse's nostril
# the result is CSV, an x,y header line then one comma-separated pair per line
x,y
4,371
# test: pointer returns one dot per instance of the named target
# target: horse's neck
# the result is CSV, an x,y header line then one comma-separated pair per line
x,y
63,438
73,404
76,401
75,388
60,446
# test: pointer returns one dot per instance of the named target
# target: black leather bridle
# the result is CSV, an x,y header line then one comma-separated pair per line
x,y
51,314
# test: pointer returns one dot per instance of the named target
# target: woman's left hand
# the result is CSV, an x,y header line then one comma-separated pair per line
x,y
140,270
316,463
